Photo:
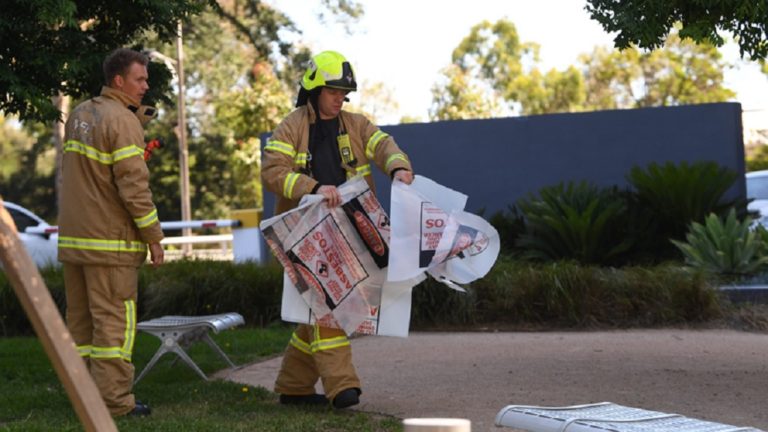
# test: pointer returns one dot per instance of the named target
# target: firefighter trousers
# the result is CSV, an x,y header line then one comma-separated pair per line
x,y
101,316
317,352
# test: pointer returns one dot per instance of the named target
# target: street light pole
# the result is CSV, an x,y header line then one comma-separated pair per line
x,y
182,135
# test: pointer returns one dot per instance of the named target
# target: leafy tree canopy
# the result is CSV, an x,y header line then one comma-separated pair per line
x,y
51,47
646,23
493,57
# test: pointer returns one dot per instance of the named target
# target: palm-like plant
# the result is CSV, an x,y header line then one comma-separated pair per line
x,y
725,247
678,194
576,221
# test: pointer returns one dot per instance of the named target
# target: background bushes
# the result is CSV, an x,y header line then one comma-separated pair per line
x,y
514,293
570,258
610,227
209,287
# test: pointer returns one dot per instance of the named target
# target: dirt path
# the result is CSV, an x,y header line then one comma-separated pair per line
x,y
716,375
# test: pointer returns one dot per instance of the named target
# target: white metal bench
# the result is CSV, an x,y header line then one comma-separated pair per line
x,y
179,332
604,416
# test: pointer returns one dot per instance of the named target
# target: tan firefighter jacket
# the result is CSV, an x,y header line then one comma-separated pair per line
x,y
106,214
286,154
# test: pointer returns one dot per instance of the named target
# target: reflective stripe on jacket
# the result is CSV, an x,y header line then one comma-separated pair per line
x,y
287,151
106,213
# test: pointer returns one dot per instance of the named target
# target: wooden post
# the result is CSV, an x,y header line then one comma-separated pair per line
x,y
50,329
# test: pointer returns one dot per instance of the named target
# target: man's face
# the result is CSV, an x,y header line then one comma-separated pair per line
x,y
330,102
134,82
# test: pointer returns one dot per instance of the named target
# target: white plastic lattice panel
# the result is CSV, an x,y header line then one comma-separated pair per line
x,y
604,416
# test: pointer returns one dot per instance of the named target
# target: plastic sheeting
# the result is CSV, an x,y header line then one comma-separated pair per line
x,y
350,267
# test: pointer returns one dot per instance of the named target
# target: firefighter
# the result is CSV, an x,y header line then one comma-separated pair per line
x,y
315,148
107,221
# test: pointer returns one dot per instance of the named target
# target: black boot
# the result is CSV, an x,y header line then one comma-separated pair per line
x,y
347,398
140,410
313,399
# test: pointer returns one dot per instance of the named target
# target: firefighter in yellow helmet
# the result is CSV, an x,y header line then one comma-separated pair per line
x,y
314,149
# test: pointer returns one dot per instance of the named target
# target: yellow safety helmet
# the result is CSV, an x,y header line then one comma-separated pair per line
x,y
329,69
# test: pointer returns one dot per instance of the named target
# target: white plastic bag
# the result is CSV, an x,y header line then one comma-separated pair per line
x,y
431,232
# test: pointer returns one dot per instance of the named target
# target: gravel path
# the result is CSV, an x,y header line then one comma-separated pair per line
x,y
716,375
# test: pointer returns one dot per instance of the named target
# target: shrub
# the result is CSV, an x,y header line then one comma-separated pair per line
x,y
726,247
669,197
510,225
197,287
13,320
176,288
435,305
565,294
576,221
561,294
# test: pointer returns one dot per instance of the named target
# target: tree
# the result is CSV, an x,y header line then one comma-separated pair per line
x,y
374,100
14,141
494,54
57,47
51,47
236,69
240,80
555,91
462,98
682,72
646,23
31,183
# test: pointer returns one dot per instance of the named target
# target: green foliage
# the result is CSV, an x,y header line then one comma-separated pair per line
x,y
513,293
13,320
493,57
33,399
435,305
646,23
234,96
757,159
569,295
575,221
59,46
494,54
460,98
679,73
14,141
176,288
208,287
668,197
510,225
551,92
726,247
31,183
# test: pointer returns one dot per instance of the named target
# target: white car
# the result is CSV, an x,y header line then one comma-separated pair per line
x,y
757,191
39,238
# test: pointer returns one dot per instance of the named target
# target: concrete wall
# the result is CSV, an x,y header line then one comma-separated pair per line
x,y
497,161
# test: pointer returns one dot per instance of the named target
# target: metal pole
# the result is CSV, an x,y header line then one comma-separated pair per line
x,y
182,135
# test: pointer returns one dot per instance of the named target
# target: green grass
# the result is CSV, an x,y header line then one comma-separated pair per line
x,y
32,398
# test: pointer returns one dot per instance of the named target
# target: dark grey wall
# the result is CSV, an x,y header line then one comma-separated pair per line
x,y
497,161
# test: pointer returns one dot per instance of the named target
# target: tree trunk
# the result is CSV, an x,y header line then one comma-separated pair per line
x,y
62,103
